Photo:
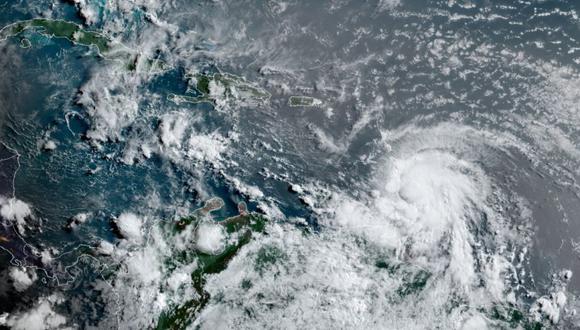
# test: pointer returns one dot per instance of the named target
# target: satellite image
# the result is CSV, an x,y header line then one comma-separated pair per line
x,y
290,164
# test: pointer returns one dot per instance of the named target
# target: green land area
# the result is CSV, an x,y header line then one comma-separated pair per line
x,y
58,29
75,33
304,101
243,226
212,88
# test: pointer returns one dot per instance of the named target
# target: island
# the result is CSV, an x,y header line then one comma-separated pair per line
x,y
105,47
304,101
220,89
54,28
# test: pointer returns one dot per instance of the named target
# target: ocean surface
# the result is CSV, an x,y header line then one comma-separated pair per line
x,y
427,179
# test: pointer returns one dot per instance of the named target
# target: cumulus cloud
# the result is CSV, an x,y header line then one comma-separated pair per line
x,y
395,257
129,225
208,147
172,129
88,10
146,286
210,238
49,145
110,100
549,307
105,248
22,278
145,266
46,257
78,219
252,192
16,211
39,317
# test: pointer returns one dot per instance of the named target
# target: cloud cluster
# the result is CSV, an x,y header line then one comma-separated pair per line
x,y
15,211
40,317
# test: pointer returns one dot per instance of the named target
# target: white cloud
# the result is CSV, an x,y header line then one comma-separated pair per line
x,y
78,219
88,11
145,266
252,192
550,307
49,145
419,223
21,278
105,248
145,286
477,322
210,238
46,257
208,147
316,281
172,129
129,226
15,210
39,317
110,101
218,93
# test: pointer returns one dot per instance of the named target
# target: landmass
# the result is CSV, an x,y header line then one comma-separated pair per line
x,y
241,227
76,34
218,88
221,89
54,28
304,101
